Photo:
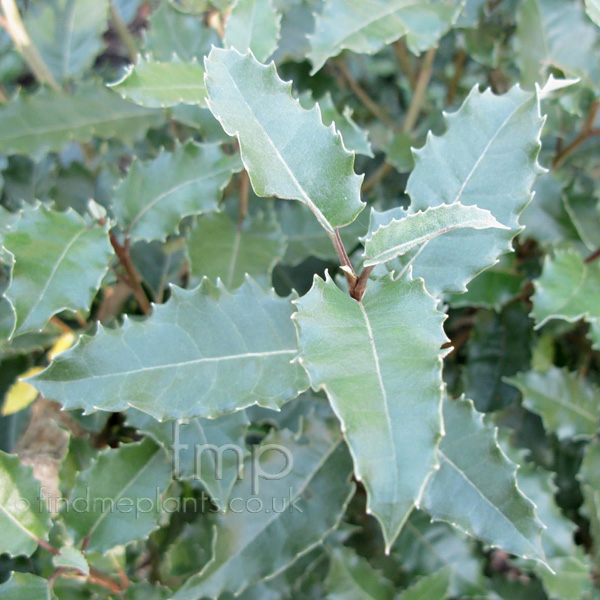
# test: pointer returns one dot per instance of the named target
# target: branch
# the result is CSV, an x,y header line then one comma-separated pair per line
x,y
404,60
419,96
587,133
592,257
133,277
368,102
14,26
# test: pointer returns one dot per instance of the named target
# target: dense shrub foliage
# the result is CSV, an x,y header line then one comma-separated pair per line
x,y
300,299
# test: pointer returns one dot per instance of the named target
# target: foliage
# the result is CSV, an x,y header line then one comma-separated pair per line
x,y
300,299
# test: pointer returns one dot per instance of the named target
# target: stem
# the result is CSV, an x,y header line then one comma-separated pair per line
x,y
419,96
133,277
404,60
340,250
22,41
367,101
382,172
123,32
361,284
244,191
592,257
587,133
459,64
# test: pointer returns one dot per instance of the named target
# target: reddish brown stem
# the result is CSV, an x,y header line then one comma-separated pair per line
x,y
593,257
133,277
587,133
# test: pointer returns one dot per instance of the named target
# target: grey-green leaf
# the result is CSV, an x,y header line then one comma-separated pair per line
x,y
567,403
475,488
366,26
23,515
68,34
379,361
59,264
206,352
487,139
287,150
432,587
401,236
220,248
71,558
253,25
116,500
156,84
211,451
47,120
287,516
154,196
351,577
24,586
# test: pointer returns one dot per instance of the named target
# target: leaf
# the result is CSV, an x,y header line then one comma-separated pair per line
x,y
46,121
154,196
379,361
206,352
351,577
296,512
172,32
156,84
567,403
59,264
570,580
355,139
592,8
23,586
550,33
400,236
487,138
475,488
568,289
71,558
432,587
117,500
68,34
253,25
20,394
286,150
367,26
23,515
211,451
218,248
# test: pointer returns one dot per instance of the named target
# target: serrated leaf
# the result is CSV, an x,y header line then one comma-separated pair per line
x,y
286,150
172,32
71,558
48,120
206,352
117,500
567,289
366,26
59,264
211,451
219,248
24,586
592,8
296,513
432,587
355,139
567,403
551,33
475,488
401,236
253,25
571,578
351,577
379,361
156,84
68,34
154,196
23,516
487,138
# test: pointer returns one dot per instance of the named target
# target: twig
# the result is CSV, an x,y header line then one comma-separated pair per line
x,y
133,277
61,325
459,65
344,259
123,32
368,102
419,96
361,284
14,26
382,172
404,60
587,133
592,257
244,182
